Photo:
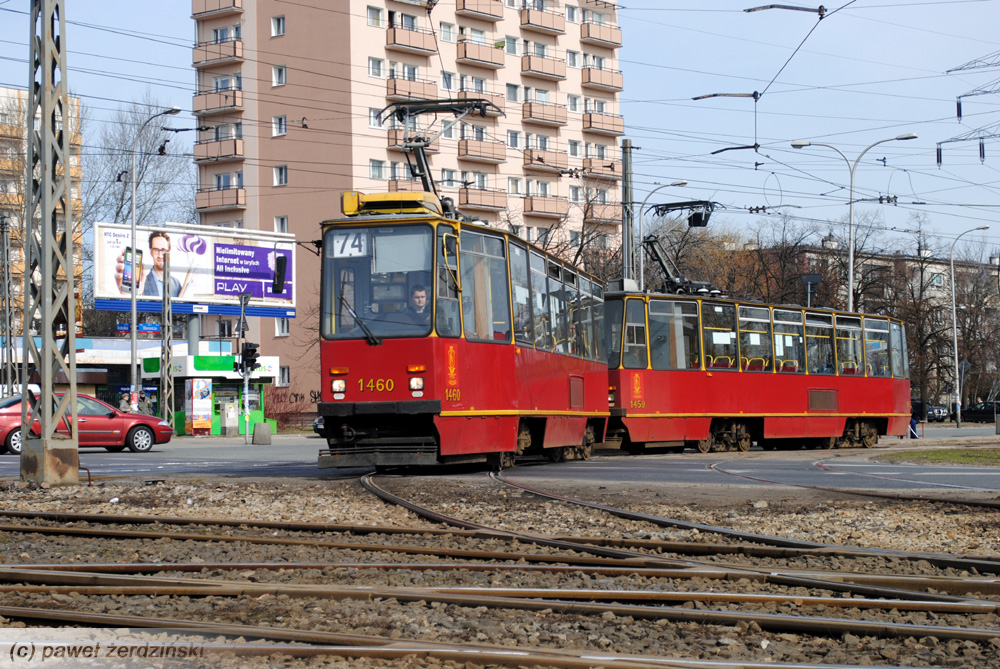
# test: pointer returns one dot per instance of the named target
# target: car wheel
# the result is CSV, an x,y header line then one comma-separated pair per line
x,y
140,439
13,443
117,448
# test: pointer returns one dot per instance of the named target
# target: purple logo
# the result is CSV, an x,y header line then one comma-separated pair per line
x,y
193,244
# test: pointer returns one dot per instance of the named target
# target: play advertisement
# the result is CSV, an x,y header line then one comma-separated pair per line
x,y
207,264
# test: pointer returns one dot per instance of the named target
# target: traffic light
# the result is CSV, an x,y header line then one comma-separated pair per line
x,y
249,355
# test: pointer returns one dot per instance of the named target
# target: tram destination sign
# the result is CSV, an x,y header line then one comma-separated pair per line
x,y
208,265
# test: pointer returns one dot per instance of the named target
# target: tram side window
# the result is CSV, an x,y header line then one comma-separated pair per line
x,y
558,308
448,322
600,350
571,314
819,344
540,303
718,323
755,339
635,356
485,306
520,293
614,311
877,361
789,342
673,335
585,319
900,362
850,354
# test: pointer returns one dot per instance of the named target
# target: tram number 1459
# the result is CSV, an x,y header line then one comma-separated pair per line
x,y
376,385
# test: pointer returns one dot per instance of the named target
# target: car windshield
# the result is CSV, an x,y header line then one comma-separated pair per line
x,y
9,402
378,282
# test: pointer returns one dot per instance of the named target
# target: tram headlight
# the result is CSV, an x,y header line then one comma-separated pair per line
x,y
338,385
416,383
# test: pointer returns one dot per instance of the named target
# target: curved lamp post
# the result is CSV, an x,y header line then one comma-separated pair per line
x,y
798,144
642,281
954,328
133,376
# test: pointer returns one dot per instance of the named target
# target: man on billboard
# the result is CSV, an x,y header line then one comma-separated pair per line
x,y
159,247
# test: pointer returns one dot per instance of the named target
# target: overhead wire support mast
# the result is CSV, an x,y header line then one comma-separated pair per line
x,y
48,456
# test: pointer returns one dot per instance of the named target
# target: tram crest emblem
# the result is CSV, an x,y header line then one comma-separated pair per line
x,y
452,366
636,386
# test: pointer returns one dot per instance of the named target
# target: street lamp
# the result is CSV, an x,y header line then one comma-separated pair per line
x,y
798,144
133,376
954,328
641,226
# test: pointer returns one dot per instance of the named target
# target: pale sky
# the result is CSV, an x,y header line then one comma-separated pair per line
x,y
869,70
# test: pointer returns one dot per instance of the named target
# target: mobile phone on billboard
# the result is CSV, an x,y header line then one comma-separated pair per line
x,y
132,270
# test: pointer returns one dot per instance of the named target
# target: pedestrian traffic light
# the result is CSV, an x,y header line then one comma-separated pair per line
x,y
249,356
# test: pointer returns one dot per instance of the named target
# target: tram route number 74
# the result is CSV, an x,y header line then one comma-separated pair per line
x,y
350,244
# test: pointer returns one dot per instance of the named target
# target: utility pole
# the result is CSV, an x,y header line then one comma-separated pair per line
x,y
628,253
49,456
167,354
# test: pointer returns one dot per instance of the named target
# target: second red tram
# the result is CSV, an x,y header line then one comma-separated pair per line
x,y
716,374
446,341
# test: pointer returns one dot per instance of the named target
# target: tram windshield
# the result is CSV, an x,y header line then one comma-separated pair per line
x,y
378,282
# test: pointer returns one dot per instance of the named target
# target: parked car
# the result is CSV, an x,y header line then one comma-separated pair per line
x,y
980,412
937,414
98,425
318,426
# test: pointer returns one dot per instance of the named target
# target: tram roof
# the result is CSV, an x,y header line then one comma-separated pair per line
x,y
619,294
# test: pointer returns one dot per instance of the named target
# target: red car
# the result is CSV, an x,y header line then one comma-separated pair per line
x,y
99,424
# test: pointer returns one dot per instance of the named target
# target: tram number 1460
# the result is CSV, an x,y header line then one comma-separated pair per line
x,y
376,385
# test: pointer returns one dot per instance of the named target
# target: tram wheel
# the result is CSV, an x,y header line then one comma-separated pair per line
x,y
704,445
827,442
523,440
500,461
869,435
743,440
586,449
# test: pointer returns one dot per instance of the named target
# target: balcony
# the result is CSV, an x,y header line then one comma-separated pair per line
x,y
218,102
486,199
597,213
213,53
405,186
395,142
543,67
480,55
541,21
215,8
602,80
547,206
220,151
604,124
542,113
216,199
486,10
600,35
480,151
410,41
495,98
600,168
539,160
410,89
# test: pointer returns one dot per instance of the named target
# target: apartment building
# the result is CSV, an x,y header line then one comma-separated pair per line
x,y
14,192
289,94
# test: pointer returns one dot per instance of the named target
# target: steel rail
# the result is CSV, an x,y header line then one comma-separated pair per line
x,y
937,559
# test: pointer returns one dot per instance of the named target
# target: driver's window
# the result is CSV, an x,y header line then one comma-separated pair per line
x,y
88,407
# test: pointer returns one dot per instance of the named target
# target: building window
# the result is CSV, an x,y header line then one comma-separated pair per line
x,y
279,126
572,14
449,178
447,81
281,327
447,32
284,376
376,169
937,280
543,188
449,130
575,194
514,139
373,118
281,224
574,237
513,93
573,59
514,186
281,175
375,17
510,45
541,142
277,26
574,148
376,68
278,77
573,103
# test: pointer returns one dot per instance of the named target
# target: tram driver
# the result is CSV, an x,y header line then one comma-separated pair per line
x,y
418,309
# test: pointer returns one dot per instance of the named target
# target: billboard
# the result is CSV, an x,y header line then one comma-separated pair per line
x,y
209,268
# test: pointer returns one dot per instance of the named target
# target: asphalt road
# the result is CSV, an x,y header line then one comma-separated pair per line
x,y
294,457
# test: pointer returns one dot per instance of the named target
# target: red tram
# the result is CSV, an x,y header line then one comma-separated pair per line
x,y
446,341
717,374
